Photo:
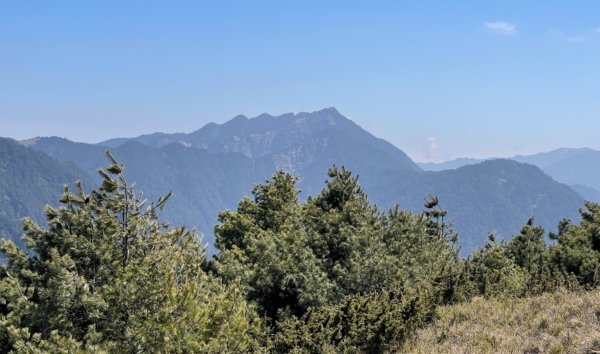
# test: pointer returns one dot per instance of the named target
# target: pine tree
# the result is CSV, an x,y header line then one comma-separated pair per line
x,y
343,220
107,275
491,272
577,252
264,246
529,251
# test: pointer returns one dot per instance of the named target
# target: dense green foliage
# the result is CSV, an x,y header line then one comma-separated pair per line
x,y
527,265
332,274
371,323
335,274
107,276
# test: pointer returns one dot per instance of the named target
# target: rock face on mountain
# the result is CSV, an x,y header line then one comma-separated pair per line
x,y
293,141
213,168
30,179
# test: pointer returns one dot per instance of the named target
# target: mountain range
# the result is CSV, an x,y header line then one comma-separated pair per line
x,y
577,167
212,168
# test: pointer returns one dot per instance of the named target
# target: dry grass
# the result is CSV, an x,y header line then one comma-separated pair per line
x,y
560,322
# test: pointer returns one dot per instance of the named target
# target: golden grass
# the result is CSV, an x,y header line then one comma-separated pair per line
x,y
560,322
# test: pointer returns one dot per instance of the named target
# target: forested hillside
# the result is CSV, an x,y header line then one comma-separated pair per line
x,y
494,196
577,167
29,180
330,274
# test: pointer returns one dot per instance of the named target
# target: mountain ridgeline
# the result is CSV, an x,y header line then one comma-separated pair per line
x,y
577,167
293,141
212,168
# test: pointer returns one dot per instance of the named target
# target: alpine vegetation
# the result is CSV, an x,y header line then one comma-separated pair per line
x,y
331,274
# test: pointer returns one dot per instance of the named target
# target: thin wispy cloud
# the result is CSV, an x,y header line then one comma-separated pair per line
x,y
503,28
570,38
575,39
431,150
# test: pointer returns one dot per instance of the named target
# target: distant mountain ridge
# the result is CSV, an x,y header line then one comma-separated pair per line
x,y
495,193
212,168
545,159
449,165
541,160
577,167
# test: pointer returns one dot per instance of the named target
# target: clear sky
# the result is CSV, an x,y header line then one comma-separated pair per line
x,y
439,79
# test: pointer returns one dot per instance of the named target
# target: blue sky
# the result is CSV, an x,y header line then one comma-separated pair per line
x,y
439,79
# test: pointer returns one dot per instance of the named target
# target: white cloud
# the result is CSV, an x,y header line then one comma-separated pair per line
x,y
504,28
431,150
432,143
568,37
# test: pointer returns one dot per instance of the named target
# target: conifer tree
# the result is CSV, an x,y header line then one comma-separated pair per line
x,y
491,272
264,246
529,251
106,275
340,216
577,252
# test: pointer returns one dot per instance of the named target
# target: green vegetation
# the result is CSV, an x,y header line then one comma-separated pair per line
x,y
333,274
107,276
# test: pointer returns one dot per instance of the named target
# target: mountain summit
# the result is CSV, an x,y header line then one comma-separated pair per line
x,y
292,140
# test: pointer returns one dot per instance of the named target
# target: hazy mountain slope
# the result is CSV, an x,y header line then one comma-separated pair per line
x,y
202,182
583,168
544,159
311,159
448,165
541,160
29,180
578,167
494,196
588,193
88,157
152,140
